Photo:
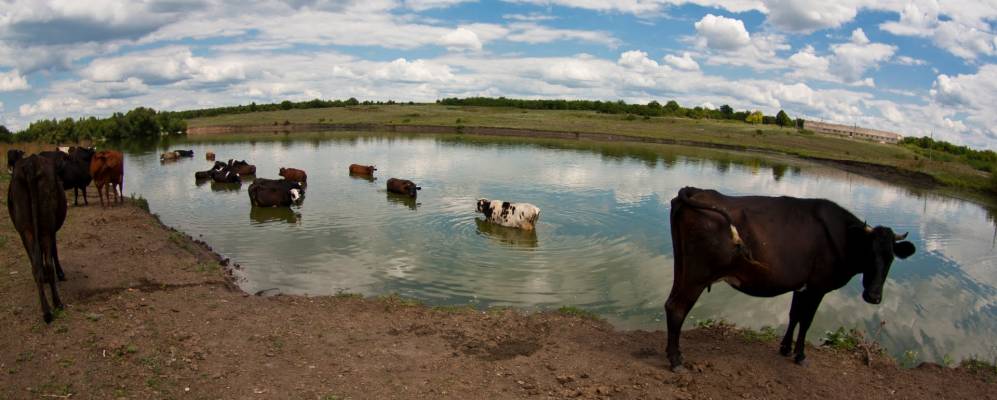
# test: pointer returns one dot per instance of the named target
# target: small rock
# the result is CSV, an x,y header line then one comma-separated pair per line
x,y
563,379
603,390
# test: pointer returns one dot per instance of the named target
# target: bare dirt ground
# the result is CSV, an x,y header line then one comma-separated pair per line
x,y
151,314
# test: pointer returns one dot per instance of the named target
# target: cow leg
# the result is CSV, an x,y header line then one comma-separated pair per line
x,y
55,260
100,194
76,197
808,303
680,301
85,202
786,347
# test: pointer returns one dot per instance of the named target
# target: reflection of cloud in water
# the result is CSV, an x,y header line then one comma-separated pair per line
x,y
602,243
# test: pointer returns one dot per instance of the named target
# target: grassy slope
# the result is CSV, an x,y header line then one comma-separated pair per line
x,y
787,141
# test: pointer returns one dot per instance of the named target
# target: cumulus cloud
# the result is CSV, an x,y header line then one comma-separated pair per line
x,y
847,62
413,71
809,16
12,80
461,39
685,62
165,66
722,33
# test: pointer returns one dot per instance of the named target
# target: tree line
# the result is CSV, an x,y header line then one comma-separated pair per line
x,y
138,124
651,109
983,160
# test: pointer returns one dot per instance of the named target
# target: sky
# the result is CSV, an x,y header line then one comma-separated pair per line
x,y
918,68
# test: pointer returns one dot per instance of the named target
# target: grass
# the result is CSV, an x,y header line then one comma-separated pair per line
x,y
842,339
981,367
454,308
139,202
572,311
765,334
702,132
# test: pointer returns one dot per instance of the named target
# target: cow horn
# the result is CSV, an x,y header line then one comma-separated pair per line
x,y
898,238
868,229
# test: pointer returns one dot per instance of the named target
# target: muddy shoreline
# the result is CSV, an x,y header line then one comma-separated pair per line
x,y
152,313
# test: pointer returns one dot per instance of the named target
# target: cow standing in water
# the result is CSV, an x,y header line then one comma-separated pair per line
x,y
108,168
36,202
403,186
767,246
363,170
513,215
294,175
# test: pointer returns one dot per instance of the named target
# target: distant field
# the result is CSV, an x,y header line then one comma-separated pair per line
x,y
760,137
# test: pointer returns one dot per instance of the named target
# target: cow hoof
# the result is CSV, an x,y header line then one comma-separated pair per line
x,y
679,369
785,350
801,361
48,318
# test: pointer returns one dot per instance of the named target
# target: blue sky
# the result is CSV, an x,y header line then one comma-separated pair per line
x,y
917,68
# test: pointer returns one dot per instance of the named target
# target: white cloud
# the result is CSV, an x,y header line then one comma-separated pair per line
x,y
528,32
907,60
413,71
165,66
722,33
809,16
851,60
461,39
422,5
685,62
12,80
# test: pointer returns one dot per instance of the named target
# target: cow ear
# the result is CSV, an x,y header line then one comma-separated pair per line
x,y
903,249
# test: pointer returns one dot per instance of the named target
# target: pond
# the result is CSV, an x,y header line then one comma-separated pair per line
x,y
602,242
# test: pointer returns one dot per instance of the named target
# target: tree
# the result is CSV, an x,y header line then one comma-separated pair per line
x,y
782,119
726,111
755,118
5,135
672,106
286,105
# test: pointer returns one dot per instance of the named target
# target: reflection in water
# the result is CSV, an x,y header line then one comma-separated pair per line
x,y
507,235
225,187
410,202
359,177
604,243
261,215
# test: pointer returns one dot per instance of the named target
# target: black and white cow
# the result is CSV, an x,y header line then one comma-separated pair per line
x,y
513,215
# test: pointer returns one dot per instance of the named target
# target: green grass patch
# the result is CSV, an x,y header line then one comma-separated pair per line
x,y
347,295
765,334
842,339
712,323
139,202
977,366
208,267
573,311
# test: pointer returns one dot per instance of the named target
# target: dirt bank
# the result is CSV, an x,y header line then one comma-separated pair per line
x,y
151,315
872,170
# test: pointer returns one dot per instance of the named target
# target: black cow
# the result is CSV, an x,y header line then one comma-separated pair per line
x,y
767,246
402,186
184,153
203,175
73,169
275,193
37,205
225,176
13,155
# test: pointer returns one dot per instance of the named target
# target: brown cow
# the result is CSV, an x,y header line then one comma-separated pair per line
x,y
209,156
294,174
402,186
357,169
37,205
108,167
242,167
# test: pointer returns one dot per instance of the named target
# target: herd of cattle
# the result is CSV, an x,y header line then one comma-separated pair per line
x,y
761,246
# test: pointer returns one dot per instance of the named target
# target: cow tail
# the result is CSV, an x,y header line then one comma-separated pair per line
x,y
36,249
739,246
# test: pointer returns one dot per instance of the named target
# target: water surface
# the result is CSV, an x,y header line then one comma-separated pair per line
x,y
602,242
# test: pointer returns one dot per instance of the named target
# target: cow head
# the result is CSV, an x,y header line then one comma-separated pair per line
x,y
484,207
296,192
878,248
411,188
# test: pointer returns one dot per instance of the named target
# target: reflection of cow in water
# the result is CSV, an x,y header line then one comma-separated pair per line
x,y
262,215
513,215
404,200
511,236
